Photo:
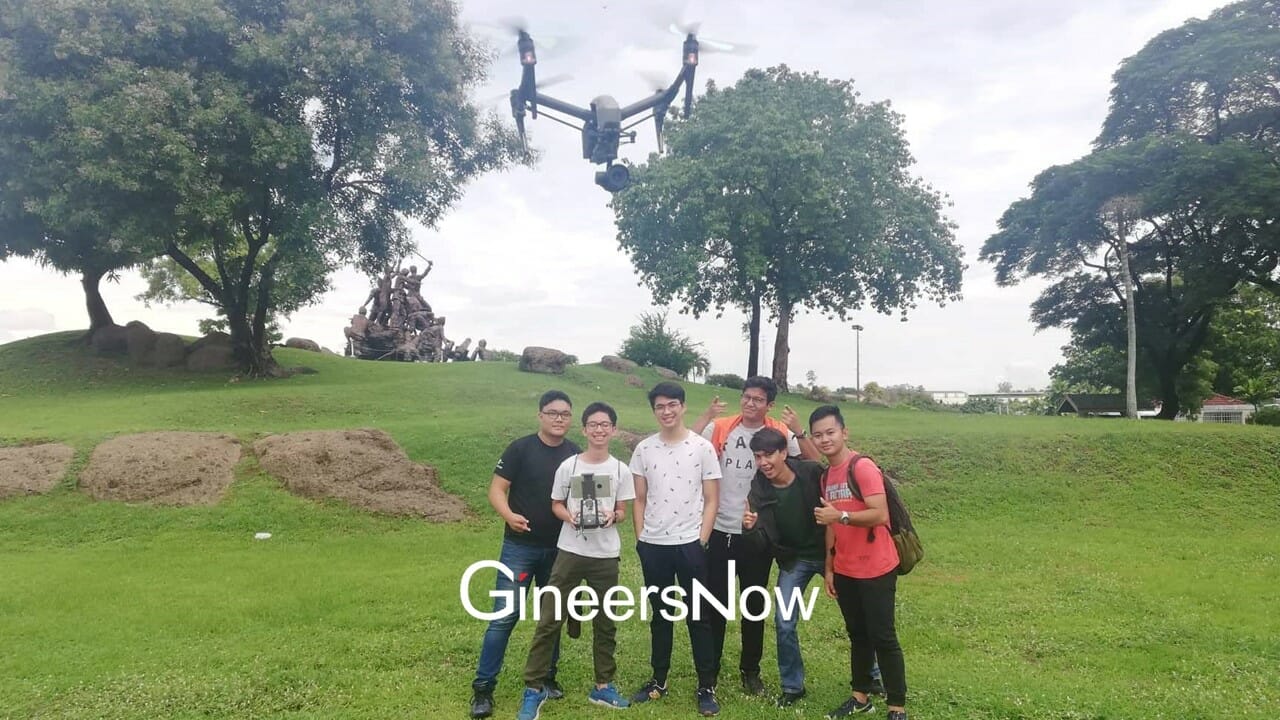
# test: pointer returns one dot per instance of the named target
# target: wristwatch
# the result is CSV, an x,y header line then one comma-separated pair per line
x,y
844,517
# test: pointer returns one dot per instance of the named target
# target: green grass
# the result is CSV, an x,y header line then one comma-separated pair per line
x,y
1076,569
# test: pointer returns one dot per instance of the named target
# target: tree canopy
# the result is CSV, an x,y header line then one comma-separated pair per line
x,y
272,142
786,192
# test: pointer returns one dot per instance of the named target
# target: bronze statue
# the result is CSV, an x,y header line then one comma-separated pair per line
x,y
400,325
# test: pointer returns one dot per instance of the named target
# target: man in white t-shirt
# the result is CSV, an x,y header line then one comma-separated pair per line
x,y
731,438
589,495
677,493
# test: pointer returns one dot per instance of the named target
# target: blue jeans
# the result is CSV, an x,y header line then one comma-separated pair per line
x,y
790,663
534,563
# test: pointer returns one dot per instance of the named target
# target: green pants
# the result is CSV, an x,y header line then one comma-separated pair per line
x,y
568,571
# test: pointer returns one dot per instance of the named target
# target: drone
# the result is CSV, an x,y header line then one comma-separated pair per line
x,y
602,129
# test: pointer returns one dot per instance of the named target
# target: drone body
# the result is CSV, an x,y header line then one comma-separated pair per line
x,y
602,123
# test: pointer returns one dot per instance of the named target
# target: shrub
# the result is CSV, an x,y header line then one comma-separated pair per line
x,y
651,342
729,380
1267,416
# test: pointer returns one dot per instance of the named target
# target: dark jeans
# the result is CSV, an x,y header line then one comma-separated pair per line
x,y
534,563
570,570
664,566
867,606
752,571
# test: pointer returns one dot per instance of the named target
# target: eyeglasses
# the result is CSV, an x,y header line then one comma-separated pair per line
x,y
599,425
755,400
672,406
557,415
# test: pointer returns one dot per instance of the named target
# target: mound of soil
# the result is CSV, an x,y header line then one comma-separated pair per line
x,y
166,468
32,470
364,467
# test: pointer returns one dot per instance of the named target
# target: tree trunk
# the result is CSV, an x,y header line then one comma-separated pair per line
x,y
753,331
1131,372
252,355
782,347
1169,403
99,316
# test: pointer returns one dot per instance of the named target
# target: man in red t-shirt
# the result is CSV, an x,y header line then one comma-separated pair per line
x,y
862,565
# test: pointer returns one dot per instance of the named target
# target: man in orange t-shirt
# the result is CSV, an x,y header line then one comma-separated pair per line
x,y
862,565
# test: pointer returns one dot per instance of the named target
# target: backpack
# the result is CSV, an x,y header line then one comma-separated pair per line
x,y
901,529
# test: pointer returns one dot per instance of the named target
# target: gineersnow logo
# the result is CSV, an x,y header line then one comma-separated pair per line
x,y
620,603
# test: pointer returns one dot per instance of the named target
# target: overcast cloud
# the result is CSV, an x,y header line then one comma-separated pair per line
x,y
993,92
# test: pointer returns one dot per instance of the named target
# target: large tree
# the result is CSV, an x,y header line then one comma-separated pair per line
x,y
289,137
787,192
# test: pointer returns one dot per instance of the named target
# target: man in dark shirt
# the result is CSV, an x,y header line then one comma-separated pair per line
x,y
520,492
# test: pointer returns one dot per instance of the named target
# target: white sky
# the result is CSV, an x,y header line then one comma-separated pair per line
x,y
993,92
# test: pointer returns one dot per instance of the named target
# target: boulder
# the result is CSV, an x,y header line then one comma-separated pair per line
x,y
618,364
109,340
170,350
547,361
635,381
211,356
141,341
213,338
666,373
302,344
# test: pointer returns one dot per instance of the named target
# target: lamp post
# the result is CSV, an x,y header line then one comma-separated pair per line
x,y
857,359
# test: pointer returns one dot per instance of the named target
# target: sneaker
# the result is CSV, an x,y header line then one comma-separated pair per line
x,y
482,704
787,699
531,704
651,691
707,703
897,715
877,687
752,684
852,707
552,689
608,696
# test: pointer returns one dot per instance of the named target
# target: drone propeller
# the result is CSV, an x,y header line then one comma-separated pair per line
x,y
654,80
542,84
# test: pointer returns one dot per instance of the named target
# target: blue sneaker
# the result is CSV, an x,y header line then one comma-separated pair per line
x,y
531,704
708,706
608,696
651,691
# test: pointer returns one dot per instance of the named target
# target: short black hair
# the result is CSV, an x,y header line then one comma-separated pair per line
x,y
597,407
826,411
768,440
761,382
666,389
551,396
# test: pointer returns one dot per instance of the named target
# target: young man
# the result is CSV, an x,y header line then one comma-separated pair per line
x,y
520,492
676,478
779,524
861,565
589,549
731,436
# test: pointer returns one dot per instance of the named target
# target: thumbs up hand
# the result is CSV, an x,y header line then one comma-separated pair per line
x,y
826,514
749,519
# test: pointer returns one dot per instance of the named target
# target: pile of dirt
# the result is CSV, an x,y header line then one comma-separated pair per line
x,y
166,468
32,470
364,467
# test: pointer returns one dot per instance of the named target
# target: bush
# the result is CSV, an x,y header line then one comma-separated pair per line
x,y
651,342
729,380
1267,416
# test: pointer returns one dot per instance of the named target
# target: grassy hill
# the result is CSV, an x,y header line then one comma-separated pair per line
x,y
1076,568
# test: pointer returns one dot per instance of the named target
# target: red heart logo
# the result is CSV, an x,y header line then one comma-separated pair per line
x,y
521,577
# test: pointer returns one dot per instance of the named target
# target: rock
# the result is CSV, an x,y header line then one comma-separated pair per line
x,y
213,338
302,344
635,381
169,350
211,357
618,364
142,342
547,361
110,340
666,373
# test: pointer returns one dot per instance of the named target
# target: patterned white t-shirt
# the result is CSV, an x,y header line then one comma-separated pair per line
x,y
674,475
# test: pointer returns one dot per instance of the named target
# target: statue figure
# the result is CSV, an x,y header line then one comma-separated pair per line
x,y
395,319
480,352
356,330
462,352
380,296
413,283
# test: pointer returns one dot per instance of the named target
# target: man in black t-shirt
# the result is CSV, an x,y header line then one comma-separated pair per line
x,y
520,492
